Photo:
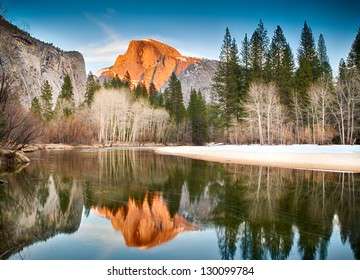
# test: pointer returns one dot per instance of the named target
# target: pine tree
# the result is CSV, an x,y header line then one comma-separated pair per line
x,y
197,113
66,102
174,100
236,84
67,89
155,98
46,101
227,85
342,70
92,85
36,108
325,68
259,43
354,54
117,83
245,60
140,91
280,65
309,65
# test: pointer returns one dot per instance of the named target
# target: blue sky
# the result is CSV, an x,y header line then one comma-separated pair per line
x,y
102,29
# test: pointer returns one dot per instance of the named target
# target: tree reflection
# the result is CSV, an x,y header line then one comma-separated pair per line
x,y
268,204
257,212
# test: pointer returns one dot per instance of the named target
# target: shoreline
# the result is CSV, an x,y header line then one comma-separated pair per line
x,y
323,158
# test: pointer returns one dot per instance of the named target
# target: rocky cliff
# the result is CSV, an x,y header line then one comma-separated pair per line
x,y
197,76
148,61
32,62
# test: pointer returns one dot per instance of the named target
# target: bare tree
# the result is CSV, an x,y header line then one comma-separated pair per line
x,y
347,105
122,120
264,112
321,99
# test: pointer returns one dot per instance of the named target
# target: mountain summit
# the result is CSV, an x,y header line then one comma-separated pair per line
x,y
148,61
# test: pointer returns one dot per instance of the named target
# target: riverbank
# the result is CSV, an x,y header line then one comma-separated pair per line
x,y
332,157
36,147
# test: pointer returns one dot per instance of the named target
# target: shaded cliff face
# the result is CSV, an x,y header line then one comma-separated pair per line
x,y
197,76
33,62
149,61
145,225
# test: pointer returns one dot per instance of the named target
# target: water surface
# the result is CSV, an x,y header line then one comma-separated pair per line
x,y
134,204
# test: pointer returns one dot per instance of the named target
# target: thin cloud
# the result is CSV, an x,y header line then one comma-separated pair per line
x,y
104,51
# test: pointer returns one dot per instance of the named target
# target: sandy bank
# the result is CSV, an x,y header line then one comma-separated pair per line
x,y
334,157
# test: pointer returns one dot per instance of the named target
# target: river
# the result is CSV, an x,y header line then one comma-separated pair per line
x,y
129,203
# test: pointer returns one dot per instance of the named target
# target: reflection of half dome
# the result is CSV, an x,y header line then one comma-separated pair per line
x,y
144,225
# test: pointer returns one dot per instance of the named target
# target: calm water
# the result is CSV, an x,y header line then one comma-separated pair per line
x,y
133,204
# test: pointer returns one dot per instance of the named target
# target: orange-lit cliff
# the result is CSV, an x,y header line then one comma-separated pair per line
x,y
145,225
149,61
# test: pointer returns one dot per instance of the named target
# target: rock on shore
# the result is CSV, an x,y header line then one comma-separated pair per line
x,y
13,158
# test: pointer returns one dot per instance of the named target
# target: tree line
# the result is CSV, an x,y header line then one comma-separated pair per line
x,y
260,95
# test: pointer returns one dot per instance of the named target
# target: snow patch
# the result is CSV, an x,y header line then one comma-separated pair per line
x,y
298,149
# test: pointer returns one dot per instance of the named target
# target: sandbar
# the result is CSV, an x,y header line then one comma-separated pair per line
x,y
343,158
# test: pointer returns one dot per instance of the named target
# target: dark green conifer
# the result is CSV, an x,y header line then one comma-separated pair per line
x,y
174,100
280,65
309,65
92,85
197,113
354,54
46,101
259,43
227,82
325,68
66,102
155,98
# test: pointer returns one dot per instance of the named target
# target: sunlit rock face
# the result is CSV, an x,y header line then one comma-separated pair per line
x,y
33,62
145,225
148,61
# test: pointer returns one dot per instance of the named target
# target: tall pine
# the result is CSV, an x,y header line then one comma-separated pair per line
x,y
325,68
174,100
197,113
353,59
245,61
227,86
309,65
259,43
280,65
